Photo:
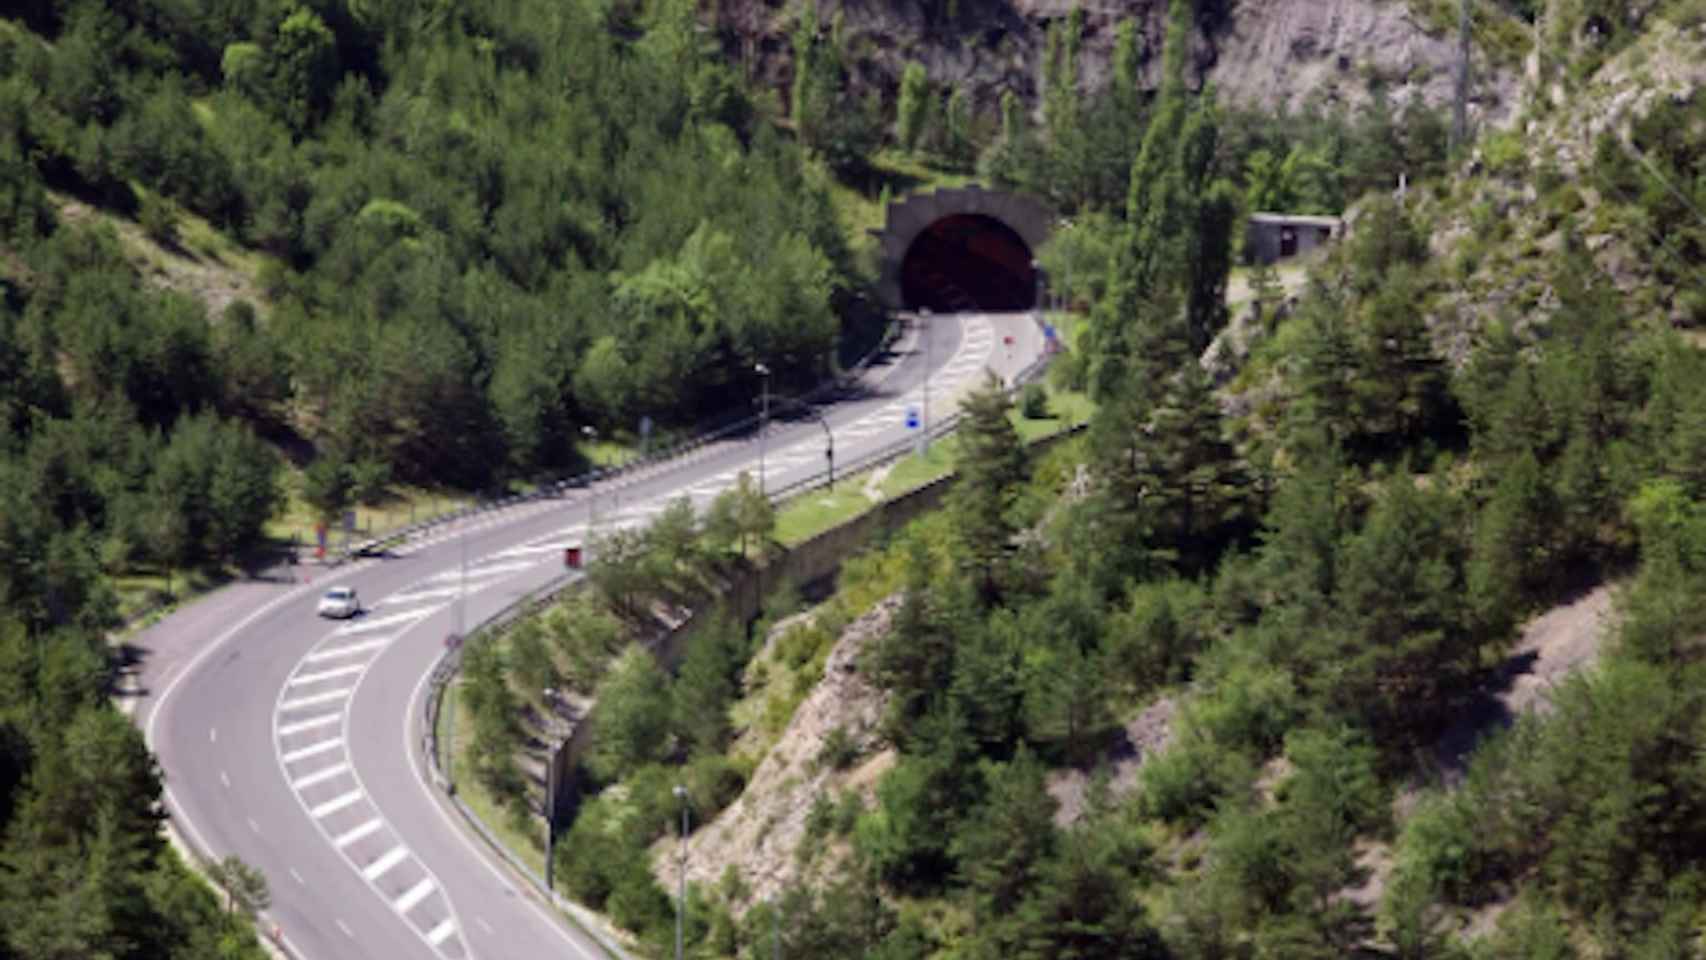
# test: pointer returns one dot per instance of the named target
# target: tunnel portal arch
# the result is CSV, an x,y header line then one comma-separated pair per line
x,y
962,249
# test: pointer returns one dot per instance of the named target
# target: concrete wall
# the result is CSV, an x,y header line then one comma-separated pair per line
x,y
905,219
812,560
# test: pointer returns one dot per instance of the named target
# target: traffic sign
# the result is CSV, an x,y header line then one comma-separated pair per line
x,y
912,418
1048,331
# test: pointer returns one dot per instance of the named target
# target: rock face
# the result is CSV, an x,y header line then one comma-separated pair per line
x,y
1256,52
758,834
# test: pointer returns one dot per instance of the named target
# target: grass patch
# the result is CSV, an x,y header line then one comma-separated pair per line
x,y
401,507
913,471
607,453
529,846
807,516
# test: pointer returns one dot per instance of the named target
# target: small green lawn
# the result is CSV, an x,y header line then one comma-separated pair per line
x,y
402,506
807,516
529,846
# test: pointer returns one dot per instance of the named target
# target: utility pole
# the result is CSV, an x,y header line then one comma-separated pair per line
x,y
1460,117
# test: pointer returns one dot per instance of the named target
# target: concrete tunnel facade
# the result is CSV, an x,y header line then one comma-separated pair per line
x,y
962,249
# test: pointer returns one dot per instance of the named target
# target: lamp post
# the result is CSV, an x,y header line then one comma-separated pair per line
x,y
550,695
681,893
924,331
763,421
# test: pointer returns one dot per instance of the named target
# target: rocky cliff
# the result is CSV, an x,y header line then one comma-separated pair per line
x,y
1256,52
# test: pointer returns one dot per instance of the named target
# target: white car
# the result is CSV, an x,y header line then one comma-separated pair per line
x,y
340,602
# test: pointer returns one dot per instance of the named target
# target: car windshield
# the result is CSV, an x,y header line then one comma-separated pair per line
x,y
339,593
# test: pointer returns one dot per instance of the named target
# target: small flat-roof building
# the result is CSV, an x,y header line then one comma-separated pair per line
x,y
1278,236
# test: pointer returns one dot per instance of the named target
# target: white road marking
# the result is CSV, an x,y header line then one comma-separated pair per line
x,y
315,698
297,877
254,826
352,836
474,573
532,549
323,720
335,804
484,925
442,932
345,928
212,735
320,776
347,650
391,858
303,679
416,894
416,596
225,779
315,750
379,623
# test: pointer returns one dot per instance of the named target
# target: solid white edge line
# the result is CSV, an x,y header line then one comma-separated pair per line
x,y
442,932
314,750
389,859
335,804
416,894
350,836
324,719
320,776
552,922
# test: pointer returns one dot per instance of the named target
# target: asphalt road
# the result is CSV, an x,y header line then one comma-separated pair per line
x,y
291,741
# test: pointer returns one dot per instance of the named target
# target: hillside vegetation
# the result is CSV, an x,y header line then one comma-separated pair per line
x,y
1325,586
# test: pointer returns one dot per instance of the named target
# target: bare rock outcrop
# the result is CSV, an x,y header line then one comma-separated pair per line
x,y
758,834
1275,53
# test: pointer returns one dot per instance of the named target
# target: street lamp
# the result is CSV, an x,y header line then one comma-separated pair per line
x,y
924,331
550,694
681,895
763,421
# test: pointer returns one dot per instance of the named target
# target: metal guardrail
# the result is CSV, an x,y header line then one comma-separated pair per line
x,y
556,486
443,669
449,661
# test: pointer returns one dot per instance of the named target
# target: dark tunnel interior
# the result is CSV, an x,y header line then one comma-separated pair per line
x,y
968,262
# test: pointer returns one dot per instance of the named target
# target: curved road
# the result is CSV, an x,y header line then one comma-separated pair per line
x,y
291,741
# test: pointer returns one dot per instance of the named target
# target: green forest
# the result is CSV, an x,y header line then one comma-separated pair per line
x,y
480,229
1323,587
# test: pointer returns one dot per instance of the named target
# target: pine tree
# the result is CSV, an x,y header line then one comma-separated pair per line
x,y
913,111
992,467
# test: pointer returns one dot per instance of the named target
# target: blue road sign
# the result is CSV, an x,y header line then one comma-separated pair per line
x,y
1048,331
912,418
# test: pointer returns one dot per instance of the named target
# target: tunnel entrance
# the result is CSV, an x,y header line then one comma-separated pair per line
x,y
968,262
